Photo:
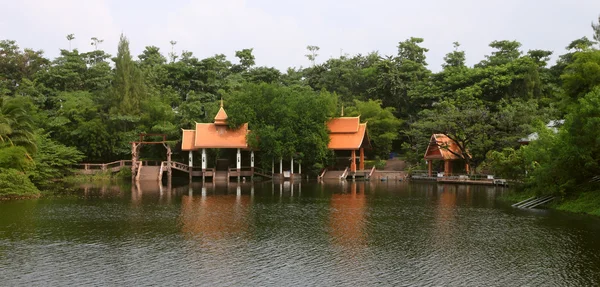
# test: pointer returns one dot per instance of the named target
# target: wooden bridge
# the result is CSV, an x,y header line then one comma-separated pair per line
x,y
153,170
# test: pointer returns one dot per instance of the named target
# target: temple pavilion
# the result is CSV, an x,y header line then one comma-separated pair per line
x,y
441,147
218,135
348,134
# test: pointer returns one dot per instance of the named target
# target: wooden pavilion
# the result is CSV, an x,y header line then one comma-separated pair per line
x,y
441,147
218,135
348,134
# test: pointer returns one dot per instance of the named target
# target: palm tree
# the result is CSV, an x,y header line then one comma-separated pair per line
x,y
16,126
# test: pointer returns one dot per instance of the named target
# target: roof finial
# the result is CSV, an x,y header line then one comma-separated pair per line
x,y
342,110
221,101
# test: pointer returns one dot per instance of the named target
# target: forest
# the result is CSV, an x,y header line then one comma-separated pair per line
x,y
89,106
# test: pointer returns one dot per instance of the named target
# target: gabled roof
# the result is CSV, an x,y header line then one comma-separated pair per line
x,y
187,140
347,133
214,136
442,147
221,117
344,125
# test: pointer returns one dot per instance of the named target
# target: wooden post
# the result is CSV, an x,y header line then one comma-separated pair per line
x,y
252,165
467,168
447,170
353,162
362,158
169,170
429,168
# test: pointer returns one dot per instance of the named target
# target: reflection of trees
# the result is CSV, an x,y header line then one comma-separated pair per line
x,y
347,218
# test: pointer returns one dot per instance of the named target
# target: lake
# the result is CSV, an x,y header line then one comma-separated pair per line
x,y
301,234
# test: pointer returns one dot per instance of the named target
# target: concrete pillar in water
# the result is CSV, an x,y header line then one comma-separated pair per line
x,y
203,165
190,164
239,164
252,164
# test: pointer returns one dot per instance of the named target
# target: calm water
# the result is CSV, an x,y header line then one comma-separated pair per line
x,y
314,234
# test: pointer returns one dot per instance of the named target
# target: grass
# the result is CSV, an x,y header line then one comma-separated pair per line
x,y
585,202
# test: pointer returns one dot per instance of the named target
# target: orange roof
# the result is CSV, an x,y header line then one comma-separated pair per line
x,y
215,136
187,140
221,117
348,140
344,125
442,147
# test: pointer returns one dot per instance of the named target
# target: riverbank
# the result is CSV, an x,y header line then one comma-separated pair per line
x,y
584,202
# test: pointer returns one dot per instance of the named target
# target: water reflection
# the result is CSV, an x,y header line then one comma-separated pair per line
x,y
301,233
220,211
347,216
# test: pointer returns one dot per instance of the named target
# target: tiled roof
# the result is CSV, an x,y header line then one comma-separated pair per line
x,y
221,117
344,125
215,136
346,133
187,140
442,147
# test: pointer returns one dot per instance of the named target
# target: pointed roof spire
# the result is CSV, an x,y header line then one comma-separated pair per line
x,y
221,117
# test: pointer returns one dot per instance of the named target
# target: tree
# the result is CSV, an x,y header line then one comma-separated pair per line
x,y
172,55
16,125
285,121
454,59
596,29
382,126
96,42
312,53
465,121
70,38
246,60
128,86
506,52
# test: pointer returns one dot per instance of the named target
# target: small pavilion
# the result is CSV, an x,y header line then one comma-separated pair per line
x,y
218,135
348,134
441,147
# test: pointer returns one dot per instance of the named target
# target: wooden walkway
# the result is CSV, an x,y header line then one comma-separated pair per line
x,y
158,167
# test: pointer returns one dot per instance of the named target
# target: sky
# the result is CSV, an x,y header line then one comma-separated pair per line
x,y
279,31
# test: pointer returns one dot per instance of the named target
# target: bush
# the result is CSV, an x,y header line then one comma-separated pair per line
x,y
14,183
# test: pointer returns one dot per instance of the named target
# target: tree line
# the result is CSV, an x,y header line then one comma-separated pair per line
x,y
88,106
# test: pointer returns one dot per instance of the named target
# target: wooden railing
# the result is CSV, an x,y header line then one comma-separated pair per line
x,y
372,171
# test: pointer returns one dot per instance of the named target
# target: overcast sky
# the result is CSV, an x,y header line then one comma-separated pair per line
x,y
279,31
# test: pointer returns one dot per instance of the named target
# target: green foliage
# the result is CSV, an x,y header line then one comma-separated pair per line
x,y
128,89
16,125
382,125
284,121
14,183
53,160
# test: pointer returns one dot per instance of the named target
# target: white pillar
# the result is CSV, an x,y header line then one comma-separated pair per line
x,y
251,158
191,159
239,159
300,169
203,159
292,167
280,165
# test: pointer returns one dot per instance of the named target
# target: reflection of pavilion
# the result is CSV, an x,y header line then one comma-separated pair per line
x,y
348,216
215,216
218,135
